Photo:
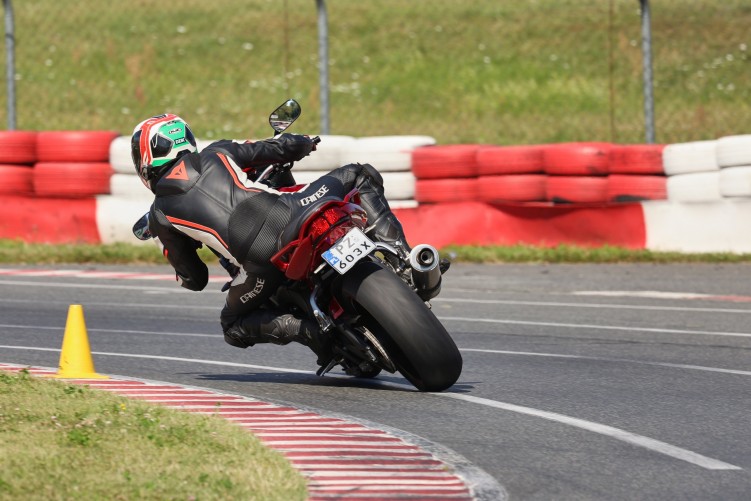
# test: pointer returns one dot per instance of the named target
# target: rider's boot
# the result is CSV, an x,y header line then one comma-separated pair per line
x,y
270,326
388,229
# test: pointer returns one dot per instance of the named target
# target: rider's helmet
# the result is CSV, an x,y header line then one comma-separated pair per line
x,y
156,143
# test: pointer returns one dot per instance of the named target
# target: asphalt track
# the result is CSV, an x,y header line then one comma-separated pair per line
x,y
580,381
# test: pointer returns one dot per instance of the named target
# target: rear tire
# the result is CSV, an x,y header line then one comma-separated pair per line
x,y
414,338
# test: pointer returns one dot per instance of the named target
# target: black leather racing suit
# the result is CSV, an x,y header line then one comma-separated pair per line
x,y
208,198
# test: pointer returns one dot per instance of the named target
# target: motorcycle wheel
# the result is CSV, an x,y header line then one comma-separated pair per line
x,y
414,338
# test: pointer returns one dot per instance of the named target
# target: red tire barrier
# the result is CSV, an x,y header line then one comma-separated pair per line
x,y
477,223
625,188
71,180
577,159
46,220
446,161
74,146
18,147
16,180
445,190
495,160
577,189
637,159
511,188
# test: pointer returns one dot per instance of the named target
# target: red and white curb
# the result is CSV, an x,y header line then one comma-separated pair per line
x,y
341,459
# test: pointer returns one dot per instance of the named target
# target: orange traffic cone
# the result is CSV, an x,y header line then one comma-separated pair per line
x,y
75,358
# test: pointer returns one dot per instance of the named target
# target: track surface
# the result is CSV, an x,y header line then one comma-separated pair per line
x,y
580,381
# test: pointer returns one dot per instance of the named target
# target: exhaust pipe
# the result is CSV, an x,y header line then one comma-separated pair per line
x,y
426,275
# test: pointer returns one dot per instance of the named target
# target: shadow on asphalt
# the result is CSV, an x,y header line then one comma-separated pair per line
x,y
310,380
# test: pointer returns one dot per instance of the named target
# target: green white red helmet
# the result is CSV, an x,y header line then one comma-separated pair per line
x,y
157,142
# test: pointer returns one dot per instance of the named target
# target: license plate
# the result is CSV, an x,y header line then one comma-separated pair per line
x,y
348,250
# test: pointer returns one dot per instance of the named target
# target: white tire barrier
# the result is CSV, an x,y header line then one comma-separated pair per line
x,y
328,154
115,217
127,186
734,150
397,185
686,158
385,153
698,227
695,187
735,181
120,158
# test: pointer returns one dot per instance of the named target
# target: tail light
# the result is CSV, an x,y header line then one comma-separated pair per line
x,y
319,233
328,218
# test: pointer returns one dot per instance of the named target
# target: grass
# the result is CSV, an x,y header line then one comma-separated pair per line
x,y
16,252
487,71
64,441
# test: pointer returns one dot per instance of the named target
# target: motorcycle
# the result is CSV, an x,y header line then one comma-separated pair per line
x,y
371,298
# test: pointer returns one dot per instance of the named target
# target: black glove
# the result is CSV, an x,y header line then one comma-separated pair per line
x,y
296,146
231,269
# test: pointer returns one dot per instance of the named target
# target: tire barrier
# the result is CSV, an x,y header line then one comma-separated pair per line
x,y
577,159
16,180
577,189
734,151
633,188
129,186
330,153
512,188
119,156
74,146
71,179
18,147
735,182
385,153
436,191
577,193
696,187
445,161
687,158
636,159
498,160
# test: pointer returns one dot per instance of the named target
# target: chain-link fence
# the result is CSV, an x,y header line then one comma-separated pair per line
x,y
487,71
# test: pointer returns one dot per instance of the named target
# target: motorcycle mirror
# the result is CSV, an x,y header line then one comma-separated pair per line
x,y
282,117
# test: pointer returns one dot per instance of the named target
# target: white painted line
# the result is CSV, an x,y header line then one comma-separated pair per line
x,y
605,359
174,289
109,331
139,306
653,294
592,305
622,435
595,327
616,433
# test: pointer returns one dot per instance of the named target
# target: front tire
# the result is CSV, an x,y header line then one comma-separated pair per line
x,y
414,338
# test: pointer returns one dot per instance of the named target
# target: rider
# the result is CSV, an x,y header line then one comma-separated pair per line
x,y
211,198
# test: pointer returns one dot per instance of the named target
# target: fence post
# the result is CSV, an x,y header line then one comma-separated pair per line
x,y
323,62
646,47
10,63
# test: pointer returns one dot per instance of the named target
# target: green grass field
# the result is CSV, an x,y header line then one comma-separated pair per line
x,y
65,441
487,71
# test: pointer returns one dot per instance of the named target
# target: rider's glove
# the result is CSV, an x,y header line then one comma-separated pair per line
x,y
296,146
231,269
